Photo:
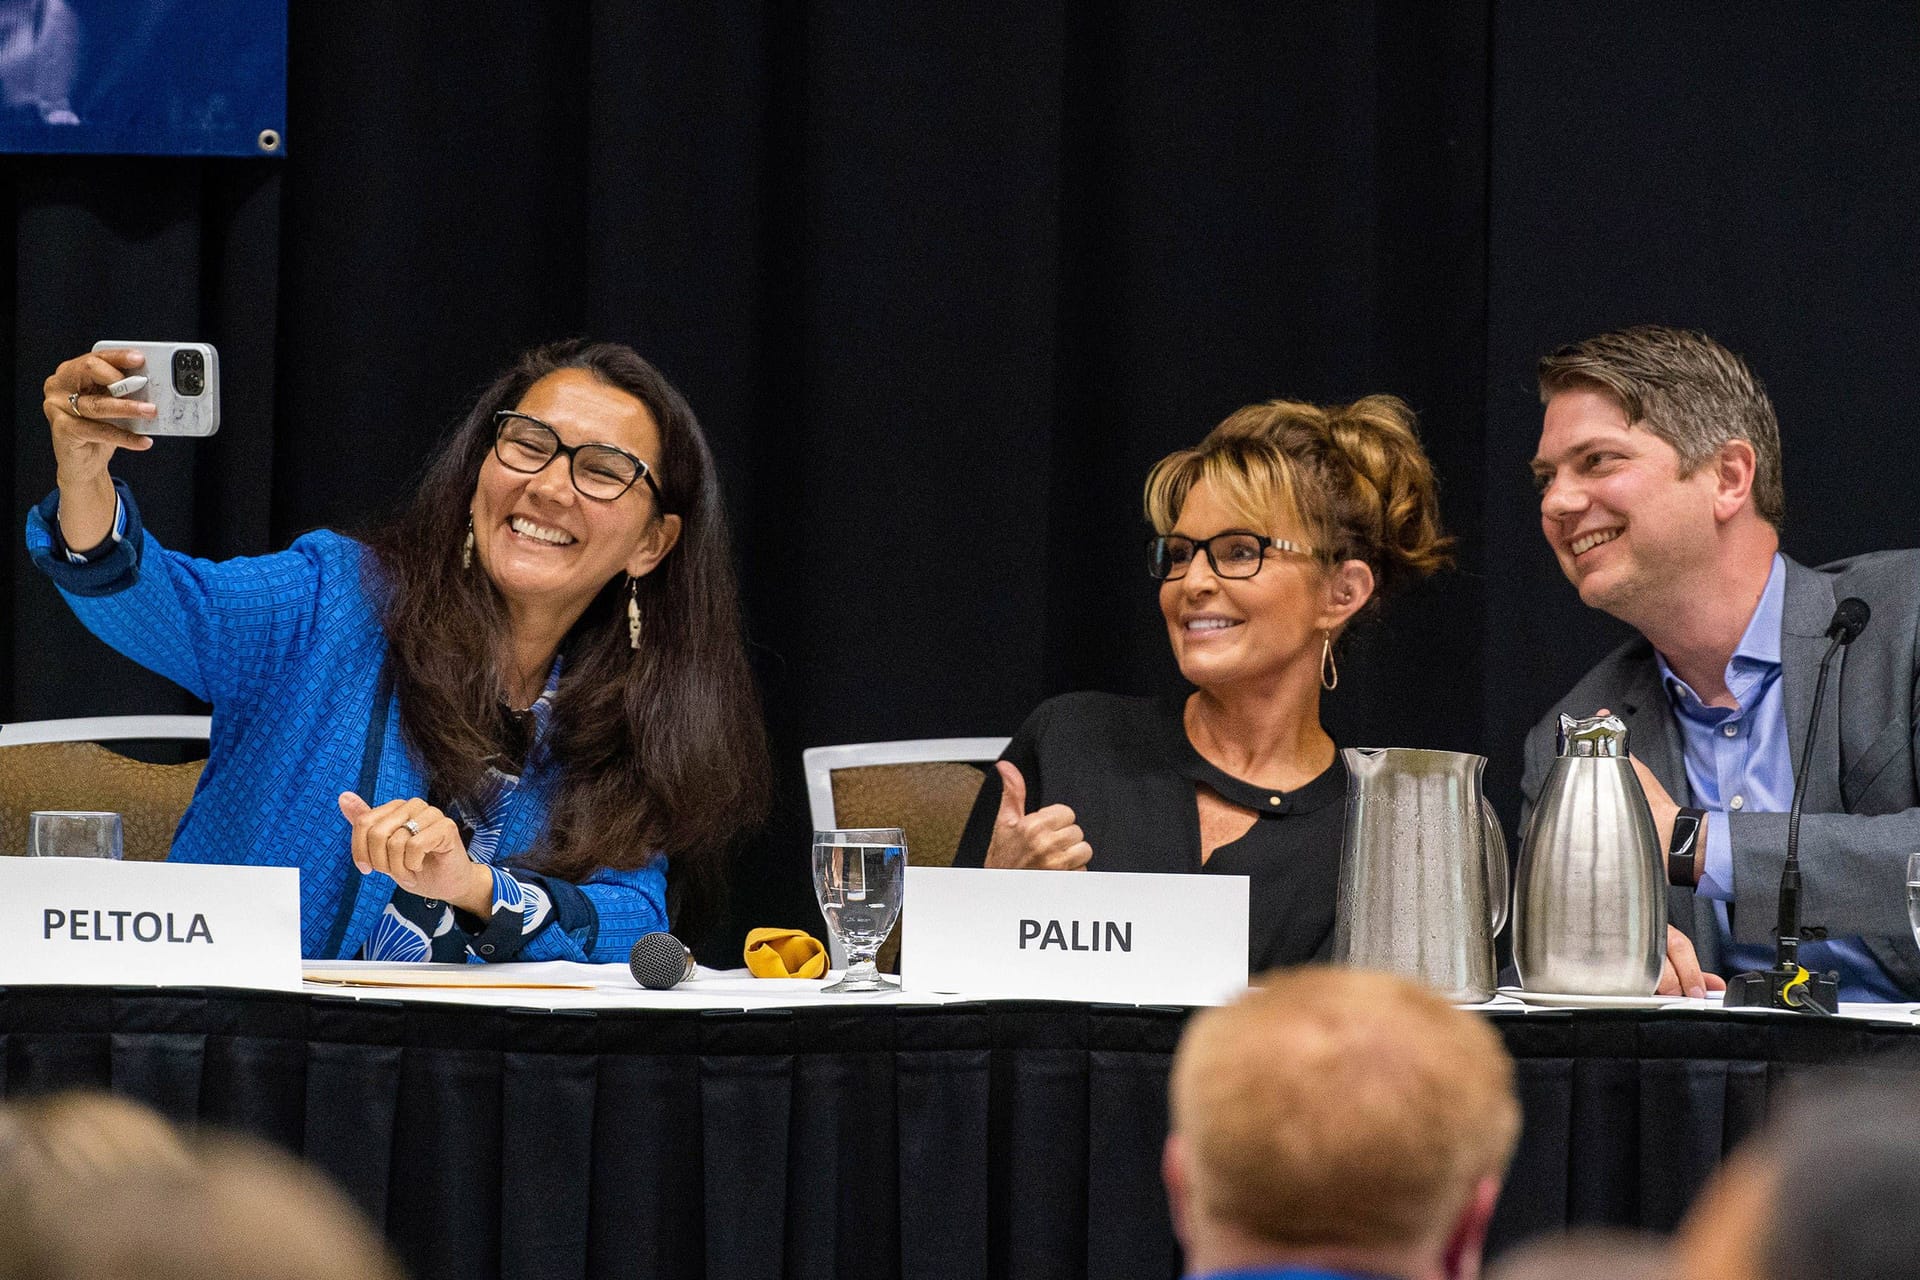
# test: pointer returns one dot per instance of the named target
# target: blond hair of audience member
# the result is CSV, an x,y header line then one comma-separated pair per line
x,y
1338,1119
1594,1253
84,1135
97,1188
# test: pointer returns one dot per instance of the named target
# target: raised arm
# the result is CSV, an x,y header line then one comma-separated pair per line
x,y
85,438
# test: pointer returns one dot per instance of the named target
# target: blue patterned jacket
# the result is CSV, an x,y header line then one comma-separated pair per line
x,y
288,649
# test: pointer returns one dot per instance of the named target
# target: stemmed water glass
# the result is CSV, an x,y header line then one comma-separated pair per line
x,y
858,876
1913,894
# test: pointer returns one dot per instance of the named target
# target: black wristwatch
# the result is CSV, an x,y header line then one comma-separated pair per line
x,y
1684,849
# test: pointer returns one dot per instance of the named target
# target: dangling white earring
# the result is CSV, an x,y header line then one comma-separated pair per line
x,y
466,548
1329,671
633,613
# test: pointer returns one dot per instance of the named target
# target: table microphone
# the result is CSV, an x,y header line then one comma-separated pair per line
x,y
1787,985
660,961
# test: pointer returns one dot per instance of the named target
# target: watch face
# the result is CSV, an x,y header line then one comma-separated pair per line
x,y
1681,849
1686,828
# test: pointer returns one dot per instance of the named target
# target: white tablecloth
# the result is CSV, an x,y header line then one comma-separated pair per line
x,y
611,986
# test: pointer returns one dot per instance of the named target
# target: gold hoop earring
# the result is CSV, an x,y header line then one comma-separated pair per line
x,y
633,612
466,548
1329,670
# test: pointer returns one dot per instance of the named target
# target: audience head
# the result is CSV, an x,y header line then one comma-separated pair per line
x,y
1347,487
1595,1253
84,1135
1339,1118
96,1188
1832,1190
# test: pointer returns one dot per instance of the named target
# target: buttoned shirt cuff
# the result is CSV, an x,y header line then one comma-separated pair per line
x,y
1716,873
505,930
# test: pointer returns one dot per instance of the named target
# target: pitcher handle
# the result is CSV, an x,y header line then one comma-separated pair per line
x,y
1493,842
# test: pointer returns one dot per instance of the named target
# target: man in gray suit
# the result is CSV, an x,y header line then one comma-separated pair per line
x,y
1660,494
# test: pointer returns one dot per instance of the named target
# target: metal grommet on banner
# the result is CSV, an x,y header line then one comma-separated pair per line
x,y
269,140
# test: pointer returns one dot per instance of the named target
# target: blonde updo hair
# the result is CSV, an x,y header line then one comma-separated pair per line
x,y
1353,476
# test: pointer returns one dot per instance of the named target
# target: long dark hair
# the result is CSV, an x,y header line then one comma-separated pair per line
x,y
659,750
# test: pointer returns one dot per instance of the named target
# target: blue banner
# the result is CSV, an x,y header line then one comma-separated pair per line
x,y
144,77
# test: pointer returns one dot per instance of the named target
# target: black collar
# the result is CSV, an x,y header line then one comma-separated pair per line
x,y
1328,787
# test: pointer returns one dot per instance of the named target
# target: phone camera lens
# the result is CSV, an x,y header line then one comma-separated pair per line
x,y
189,372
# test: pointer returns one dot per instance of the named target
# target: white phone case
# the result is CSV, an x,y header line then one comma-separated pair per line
x,y
182,412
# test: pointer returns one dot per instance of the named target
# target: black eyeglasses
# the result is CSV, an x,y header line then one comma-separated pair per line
x,y
525,444
1234,554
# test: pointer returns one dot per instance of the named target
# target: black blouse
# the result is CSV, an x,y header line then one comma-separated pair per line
x,y
1126,769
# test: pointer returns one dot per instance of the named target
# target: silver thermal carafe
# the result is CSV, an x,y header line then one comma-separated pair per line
x,y
1423,870
1589,910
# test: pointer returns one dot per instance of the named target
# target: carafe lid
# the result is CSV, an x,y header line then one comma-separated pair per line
x,y
1604,736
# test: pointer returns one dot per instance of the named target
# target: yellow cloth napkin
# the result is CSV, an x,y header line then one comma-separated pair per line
x,y
785,953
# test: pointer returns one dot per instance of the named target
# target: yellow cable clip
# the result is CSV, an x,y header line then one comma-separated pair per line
x,y
1787,992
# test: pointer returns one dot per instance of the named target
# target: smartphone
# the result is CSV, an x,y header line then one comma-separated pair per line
x,y
183,385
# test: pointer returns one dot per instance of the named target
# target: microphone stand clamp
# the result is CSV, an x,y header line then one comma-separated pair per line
x,y
1789,989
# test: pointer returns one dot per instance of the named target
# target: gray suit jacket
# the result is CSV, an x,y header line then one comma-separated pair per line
x,y
1861,815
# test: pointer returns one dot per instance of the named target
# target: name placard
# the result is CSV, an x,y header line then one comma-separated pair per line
x,y
87,921
1075,935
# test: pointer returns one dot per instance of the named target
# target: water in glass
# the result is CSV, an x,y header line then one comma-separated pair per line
x,y
858,877
69,834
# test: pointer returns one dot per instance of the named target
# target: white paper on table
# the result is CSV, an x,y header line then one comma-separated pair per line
x,y
94,921
1126,937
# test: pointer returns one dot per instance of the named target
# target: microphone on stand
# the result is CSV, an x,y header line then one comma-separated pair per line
x,y
660,961
1788,985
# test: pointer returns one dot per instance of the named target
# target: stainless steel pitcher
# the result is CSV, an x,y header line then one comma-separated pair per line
x,y
1423,870
1589,912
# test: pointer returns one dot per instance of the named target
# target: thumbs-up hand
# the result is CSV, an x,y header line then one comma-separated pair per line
x,y
1046,840
420,847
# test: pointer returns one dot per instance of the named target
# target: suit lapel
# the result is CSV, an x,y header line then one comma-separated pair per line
x,y
1804,615
1652,733
1654,736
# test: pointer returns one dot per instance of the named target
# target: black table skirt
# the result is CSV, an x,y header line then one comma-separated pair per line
x,y
1007,1139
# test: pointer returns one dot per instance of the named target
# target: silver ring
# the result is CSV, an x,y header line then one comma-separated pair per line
x,y
412,826
73,402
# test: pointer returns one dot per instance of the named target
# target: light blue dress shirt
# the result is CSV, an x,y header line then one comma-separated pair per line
x,y
1739,759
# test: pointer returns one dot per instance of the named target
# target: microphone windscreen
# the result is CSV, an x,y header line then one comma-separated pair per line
x,y
660,961
1849,619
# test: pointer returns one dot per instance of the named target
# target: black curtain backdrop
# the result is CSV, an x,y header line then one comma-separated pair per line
x,y
943,281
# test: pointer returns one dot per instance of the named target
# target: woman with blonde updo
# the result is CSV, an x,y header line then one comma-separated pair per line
x,y
1270,538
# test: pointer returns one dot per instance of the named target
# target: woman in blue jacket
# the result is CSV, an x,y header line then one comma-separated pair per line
x,y
514,724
